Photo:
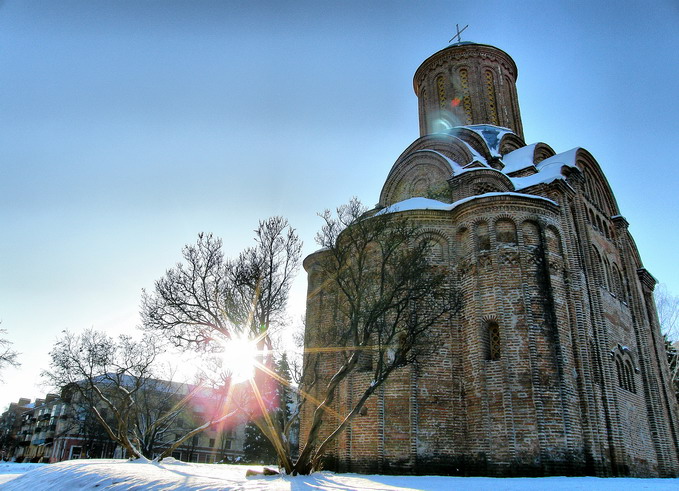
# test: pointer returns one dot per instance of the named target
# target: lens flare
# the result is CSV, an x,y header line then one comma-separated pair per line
x,y
239,358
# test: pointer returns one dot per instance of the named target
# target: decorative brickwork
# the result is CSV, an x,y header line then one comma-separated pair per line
x,y
555,363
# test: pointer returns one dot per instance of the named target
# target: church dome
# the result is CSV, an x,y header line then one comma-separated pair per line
x,y
467,83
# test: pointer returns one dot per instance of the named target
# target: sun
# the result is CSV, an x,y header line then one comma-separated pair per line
x,y
239,358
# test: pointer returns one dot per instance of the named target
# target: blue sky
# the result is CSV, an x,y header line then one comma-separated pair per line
x,y
126,128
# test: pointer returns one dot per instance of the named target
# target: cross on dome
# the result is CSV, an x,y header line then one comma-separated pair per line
x,y
457,28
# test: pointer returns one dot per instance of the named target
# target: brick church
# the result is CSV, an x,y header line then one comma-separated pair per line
x,y
555,363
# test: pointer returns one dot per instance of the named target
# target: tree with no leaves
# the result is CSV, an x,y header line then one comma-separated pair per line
x,y
114,379
8,356
207,302
668,315
208,299
385,297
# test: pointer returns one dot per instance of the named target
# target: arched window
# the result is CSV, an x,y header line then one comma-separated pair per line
x,y
625,370
530,234
482,237
493,350
441,90
436,247
365,359
491,104
630,376
598,266
553,240
592,220
463,241
505,231
620,371
607,275
617,277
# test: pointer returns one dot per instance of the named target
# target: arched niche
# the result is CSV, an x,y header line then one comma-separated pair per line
x,y
424,173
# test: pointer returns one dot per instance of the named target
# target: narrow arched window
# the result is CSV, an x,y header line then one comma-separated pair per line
x,y
482,237
365,359
631,386
493,341
607,276
505,231
619,370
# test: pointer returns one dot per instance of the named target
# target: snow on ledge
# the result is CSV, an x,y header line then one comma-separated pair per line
x,y
432,204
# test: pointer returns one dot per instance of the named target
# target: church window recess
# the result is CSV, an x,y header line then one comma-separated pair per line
x,y
629,371
530,234
466,99
463,241
598,266
624,368
365,360
441,90
437,248
490,95
553,240
492,341
505,232
593,363
619,284
482,237
607,275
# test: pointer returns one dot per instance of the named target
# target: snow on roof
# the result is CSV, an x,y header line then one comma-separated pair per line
x,y
432,204
549,170
519,159
566,158
491,134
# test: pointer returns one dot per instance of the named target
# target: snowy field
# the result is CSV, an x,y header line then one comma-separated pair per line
x,y
123,475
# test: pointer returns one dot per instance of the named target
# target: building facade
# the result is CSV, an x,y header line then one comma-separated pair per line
x,y
555,363
60,427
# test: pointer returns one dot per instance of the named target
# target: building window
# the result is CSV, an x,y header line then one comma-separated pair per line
x,y
212,443
441,90
75,452
493,341
490,93
505,232
631,386
482,237
625,373
365,359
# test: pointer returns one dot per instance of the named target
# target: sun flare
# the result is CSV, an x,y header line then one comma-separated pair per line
x,y
240,357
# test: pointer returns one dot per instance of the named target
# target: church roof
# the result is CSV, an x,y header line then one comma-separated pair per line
x,y
485,149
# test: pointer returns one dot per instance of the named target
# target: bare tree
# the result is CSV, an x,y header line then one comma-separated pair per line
x,y
668,312
386,299
207,301
262,274
388,296
158,405
208,298
194,302
8,356
115,380
668,315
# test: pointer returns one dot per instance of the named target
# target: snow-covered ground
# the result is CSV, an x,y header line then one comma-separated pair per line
x,y
123,475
